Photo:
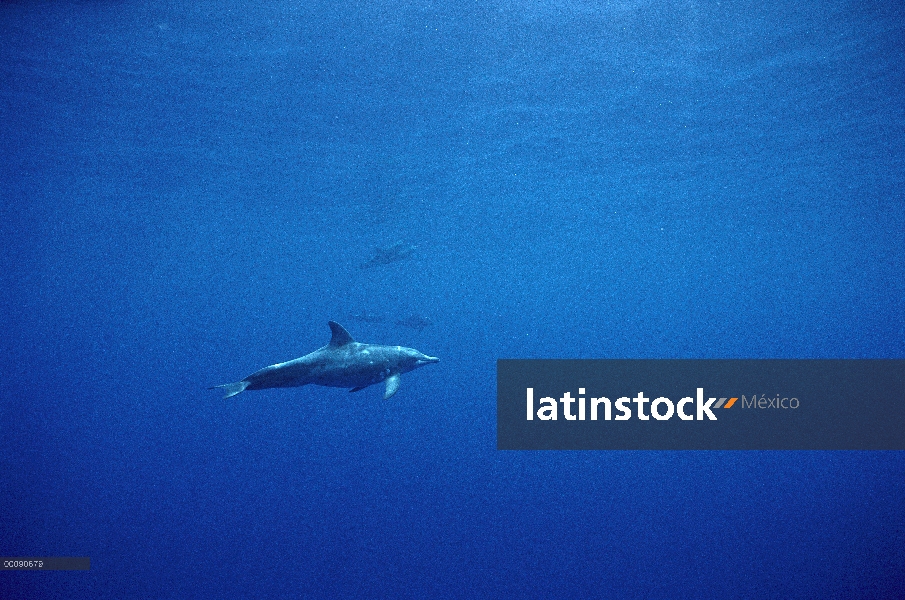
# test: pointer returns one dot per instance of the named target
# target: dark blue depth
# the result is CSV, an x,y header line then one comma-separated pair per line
x,y
190,191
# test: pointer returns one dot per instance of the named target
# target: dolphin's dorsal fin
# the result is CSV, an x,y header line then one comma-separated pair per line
x,y
340,337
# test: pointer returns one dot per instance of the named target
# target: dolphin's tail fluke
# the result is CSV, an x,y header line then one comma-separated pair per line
x,y
231,389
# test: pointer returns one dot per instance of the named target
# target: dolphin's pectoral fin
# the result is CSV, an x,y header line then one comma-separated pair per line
x,y
392,386
357,389
231,389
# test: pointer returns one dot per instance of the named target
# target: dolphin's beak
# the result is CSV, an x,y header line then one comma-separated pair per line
x,y
427,360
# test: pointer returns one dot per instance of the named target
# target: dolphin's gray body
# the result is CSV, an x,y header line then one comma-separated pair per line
x,y
341,363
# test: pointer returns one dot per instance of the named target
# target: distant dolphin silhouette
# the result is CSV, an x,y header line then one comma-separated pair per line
x,y
341,363
368,317
385,256
414,322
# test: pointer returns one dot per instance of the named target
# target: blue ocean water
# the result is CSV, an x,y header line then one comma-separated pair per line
x,y
189,190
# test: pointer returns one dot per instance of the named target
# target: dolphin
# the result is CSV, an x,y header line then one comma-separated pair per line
x,y
341,363
368,317
414,322
385,256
